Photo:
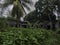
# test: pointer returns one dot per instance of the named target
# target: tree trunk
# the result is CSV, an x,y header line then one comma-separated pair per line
x,y
18,20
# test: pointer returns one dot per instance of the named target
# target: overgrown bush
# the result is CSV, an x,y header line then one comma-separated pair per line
x,y
3,24
23,36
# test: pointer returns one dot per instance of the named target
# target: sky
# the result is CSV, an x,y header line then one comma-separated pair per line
x,y
32,7
34,1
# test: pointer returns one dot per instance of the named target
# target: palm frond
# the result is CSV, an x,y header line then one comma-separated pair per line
x,y
26,6
27,1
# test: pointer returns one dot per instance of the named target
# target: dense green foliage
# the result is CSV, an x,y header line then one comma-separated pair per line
x,y
30,36
2,23
25,36
45,9
32,17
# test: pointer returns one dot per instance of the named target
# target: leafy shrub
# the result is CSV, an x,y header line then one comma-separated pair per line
x,y
2,24
23,36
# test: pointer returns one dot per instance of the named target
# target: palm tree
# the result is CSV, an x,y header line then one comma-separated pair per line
x,y
18,8
46,10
